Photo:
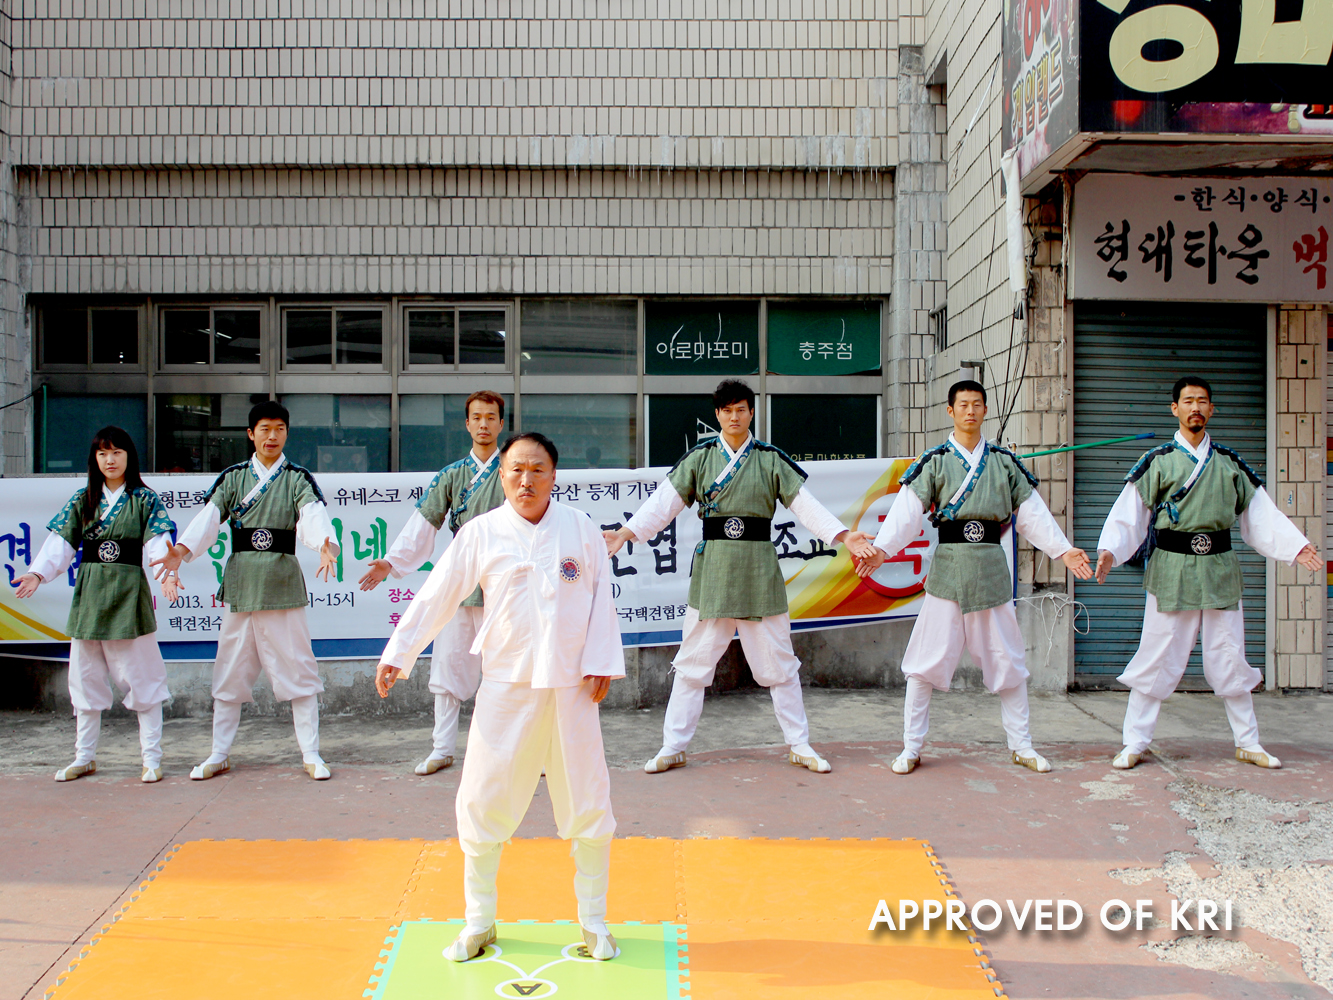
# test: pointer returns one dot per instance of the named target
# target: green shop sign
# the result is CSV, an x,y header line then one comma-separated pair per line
x,y
823,338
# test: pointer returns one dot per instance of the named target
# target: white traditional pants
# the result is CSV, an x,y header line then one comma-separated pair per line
x,y
1159,664
518,732
133,665
938,638
455,672
767,646
278,643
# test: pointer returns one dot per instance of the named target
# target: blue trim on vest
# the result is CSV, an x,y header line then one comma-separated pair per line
x,y
1033,481
309,478
223,475
1255,481
765,446
1146,459
915,468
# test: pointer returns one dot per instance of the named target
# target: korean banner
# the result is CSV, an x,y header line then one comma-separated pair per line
x,y
651,577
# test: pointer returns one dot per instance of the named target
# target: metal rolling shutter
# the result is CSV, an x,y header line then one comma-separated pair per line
x,y
1126,357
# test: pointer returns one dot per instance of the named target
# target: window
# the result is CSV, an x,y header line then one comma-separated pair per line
x,y
431,433
327,337
939,327
66,425
823,338
848,426
701,338
74,336
203,433
676,424
338,433
579,337
452,337
590,431
199,337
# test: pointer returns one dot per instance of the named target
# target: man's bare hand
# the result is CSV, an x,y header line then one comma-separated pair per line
x,y
385,678
615,539
600,686
1104,563
170,563
171,586
27,585
379,569
859,544
1077,561
327,561
867,565
1308,557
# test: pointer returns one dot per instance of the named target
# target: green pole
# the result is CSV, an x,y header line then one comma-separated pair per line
x,y
1091,444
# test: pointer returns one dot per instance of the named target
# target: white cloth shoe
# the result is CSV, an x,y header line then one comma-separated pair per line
x,y
905,762
1258,757
317,769
76,771
432,764
1032,760
151,774
805,756
206,770
1126,759
600,946
665,760
467,946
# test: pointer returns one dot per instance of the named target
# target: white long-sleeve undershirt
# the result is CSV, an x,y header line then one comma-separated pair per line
x,y
661,508
1033,520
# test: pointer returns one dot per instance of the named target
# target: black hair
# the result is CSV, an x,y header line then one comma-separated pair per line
x,y
1179,387
730,391
269,409
109,439
967,385
536,438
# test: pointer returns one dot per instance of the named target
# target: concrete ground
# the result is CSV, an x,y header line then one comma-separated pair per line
x,y
1190,822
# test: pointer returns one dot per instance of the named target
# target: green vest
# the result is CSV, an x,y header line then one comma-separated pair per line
x,y
447,500
263,581
737,579
976,577
112,600
1223,490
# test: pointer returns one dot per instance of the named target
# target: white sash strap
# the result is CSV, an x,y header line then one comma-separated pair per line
x,y
973,468
736,459
260,486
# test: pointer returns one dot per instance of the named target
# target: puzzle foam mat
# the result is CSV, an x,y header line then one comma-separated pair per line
x,y
695,920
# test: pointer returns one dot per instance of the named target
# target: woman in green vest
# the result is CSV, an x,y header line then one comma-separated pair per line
x,y
108,527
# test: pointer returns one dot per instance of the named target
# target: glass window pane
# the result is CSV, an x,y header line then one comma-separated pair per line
x,y
590,431
115,336
65,337
847,426
203,433
309,336
823,338
431,432
185,337
236,336
701,338
579,337
676,424
66,424
481,337
339,433
360,337
430,337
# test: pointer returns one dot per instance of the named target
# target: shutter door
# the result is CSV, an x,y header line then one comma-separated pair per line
x,y
1126,358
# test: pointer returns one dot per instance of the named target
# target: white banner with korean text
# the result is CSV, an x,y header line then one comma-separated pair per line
x,y
369,509
1199,239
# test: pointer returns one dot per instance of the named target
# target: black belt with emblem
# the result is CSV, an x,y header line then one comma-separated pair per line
x,y
1194,543
971,532
263,540
738,529
119,550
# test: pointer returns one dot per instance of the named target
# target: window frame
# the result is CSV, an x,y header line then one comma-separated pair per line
x,y
426,305
212,366
300,368
140,365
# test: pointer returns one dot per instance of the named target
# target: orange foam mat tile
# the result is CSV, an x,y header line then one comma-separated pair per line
x,y
822,881
750,961
274,879
536,881
202,959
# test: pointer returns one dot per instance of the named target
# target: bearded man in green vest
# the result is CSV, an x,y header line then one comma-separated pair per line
x,y
1179,505
974,491
736,585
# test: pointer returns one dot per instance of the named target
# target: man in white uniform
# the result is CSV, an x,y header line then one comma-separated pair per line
x,y
1184,498
974,489
549,645
458,493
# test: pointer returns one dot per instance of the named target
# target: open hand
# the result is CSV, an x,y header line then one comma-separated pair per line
x,y
600,686
1077,561
859,544
327,561
867,565
385,678
170,563
1104,563
1308,557
171,586
26,585
614,540
379,569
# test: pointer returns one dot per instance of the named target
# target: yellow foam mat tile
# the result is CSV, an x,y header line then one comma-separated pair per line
x,y
825,881
205,959
536,882
258,879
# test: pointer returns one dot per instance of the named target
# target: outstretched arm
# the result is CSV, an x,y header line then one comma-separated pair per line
x,y
52,559
657,512
414,545
1124,531
1272,534
1034,520
820,522
901,525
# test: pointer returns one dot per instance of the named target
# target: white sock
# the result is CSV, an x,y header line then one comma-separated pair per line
x,y
480,898
305,717
226,721
592,878
444,738
150,736
916,715
87,728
